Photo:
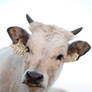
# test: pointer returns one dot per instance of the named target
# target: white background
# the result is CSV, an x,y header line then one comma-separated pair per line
x,y
68,14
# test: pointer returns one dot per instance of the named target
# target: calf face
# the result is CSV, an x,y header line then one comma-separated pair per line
x,y
45,51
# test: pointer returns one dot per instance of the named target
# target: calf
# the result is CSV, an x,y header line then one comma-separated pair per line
x,y
33,62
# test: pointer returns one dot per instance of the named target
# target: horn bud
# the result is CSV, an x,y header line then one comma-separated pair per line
x,y
76,31
29,19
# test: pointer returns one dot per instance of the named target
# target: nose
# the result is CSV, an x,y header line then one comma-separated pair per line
x,y
33,77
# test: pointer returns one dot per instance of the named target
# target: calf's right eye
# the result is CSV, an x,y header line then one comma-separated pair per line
x,y
27,49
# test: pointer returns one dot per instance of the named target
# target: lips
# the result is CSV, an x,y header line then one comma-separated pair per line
x,y
32,84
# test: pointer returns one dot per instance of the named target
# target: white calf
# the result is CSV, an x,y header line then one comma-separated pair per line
x,y
33,62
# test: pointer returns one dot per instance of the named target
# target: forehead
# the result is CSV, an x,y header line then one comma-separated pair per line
x,y
48,36
50,31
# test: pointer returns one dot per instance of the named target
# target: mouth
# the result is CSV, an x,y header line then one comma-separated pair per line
x,y
33,85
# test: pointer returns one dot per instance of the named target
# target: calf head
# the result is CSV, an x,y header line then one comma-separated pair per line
x,y
45,51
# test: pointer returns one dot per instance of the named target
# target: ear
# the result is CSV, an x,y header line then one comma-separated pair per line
x,y
76,50
17,33
19,37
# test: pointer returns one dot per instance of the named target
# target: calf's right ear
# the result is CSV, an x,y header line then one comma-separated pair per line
x,y
18,34
19,37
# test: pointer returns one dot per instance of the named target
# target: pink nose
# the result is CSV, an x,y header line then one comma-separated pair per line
x,y
33,77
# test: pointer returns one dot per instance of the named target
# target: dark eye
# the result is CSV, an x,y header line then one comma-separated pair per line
x,y
59,57
27,49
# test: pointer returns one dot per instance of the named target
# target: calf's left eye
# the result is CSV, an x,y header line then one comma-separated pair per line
x,y
59,57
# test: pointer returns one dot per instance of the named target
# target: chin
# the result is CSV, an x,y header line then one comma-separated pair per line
x,y
36,88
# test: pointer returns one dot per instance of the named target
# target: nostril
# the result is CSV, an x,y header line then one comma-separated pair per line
x,y
40,77
28,74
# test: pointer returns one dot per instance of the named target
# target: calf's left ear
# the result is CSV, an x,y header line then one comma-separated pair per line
x,y
76,50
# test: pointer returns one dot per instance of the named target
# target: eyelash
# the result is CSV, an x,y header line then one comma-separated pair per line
x,y
59,57
27,49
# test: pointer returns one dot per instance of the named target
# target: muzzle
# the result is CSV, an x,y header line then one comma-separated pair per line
x,y
33,79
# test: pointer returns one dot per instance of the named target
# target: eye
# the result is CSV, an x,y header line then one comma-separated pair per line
x,y
59,57
27,49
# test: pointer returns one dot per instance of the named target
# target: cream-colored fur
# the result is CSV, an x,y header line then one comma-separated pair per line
x,y
45,43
